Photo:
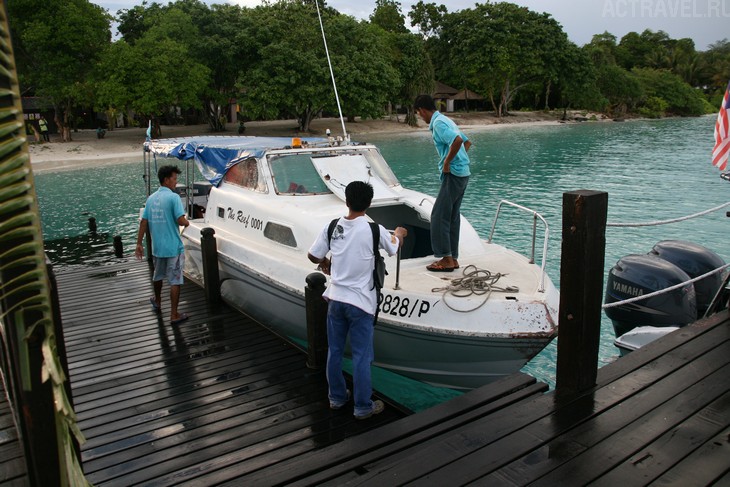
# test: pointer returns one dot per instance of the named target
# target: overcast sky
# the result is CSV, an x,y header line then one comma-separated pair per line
x,y
704,21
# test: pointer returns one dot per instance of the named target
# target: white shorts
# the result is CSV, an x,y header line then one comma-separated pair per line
x,y
170,268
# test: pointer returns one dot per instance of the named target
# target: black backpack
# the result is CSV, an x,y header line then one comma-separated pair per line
x,y
379,272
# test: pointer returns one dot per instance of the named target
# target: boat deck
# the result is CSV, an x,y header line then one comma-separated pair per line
x,y
210,399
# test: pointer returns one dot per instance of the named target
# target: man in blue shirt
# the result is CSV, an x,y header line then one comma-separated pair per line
x,y
163,215
451,145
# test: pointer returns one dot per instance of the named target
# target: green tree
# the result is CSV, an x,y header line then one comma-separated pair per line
x,y
619,87
55,57
679,97
291,76
429,18
716,74
502,48
415,71
577,81
155,73
388,16
365,77
223,47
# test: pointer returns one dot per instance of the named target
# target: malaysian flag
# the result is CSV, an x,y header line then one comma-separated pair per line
x,y
722,137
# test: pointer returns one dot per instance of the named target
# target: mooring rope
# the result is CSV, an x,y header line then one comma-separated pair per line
x,y
664,222
474,281
666,289
676,286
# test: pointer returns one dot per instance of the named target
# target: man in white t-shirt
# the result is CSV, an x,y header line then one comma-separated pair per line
x,y
352,296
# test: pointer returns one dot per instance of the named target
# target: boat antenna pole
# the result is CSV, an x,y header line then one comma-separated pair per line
x,y
332,74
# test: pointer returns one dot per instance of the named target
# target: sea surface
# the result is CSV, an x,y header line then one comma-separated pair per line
x,y
652,170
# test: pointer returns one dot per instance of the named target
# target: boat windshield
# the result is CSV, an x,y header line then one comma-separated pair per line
x,y
296,173
380,167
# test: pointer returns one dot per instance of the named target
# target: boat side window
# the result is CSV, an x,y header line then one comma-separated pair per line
x,y
280,233
295,174
246,174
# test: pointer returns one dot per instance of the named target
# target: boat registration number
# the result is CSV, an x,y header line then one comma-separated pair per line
x,y
403,307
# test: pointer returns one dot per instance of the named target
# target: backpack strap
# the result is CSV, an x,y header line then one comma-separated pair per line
x,y
376,237
331,230
375,229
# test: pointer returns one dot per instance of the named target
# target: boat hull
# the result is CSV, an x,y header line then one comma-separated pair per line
x,y
446,359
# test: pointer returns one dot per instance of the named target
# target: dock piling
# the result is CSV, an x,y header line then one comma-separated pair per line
x,y
211,277
581,289
118,248
92,225
316,308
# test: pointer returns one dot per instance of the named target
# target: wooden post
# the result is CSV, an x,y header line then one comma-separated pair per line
x,y
92,225
316,307
581,289
211,278
118,248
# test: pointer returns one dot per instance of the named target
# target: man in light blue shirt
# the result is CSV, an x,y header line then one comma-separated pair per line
x,y
452,146
163,216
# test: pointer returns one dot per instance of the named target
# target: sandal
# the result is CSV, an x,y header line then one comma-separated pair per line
x,y
438,267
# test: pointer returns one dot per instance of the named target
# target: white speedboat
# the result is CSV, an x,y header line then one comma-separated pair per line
x,y
267,198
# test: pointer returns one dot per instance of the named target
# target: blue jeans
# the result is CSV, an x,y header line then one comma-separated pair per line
x,y
341,319
446,216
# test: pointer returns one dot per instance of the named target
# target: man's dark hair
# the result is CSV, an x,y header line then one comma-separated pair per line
x,y
424,101
358,195
167,171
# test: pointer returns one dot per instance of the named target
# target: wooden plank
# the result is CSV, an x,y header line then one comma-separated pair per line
x,y
328,463
211,397
708,465
593,447
458,456
676,443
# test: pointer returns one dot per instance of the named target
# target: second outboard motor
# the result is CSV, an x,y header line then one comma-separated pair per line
x,y
695,260
636,275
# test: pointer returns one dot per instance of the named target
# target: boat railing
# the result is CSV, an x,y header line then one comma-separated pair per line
x,y
535,217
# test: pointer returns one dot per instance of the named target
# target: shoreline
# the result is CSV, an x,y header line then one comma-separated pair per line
x,y
124,145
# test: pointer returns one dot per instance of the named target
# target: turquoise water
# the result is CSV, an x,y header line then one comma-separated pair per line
x,y
652,170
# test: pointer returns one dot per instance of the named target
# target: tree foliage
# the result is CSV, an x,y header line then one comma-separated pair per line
x,y
271,60
498,49
56,57
154,73
389,17
291,75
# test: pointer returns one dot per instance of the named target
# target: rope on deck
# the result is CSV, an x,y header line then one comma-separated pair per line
x,y
474,281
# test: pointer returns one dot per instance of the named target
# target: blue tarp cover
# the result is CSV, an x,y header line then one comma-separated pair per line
x,y
214,155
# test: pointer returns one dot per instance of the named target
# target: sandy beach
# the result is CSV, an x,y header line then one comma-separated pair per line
x,y
125,144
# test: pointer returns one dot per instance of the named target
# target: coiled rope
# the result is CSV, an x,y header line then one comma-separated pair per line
x,y
474,281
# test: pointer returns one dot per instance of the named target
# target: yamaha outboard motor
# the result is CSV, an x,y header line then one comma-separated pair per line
x,y
695,260
636,275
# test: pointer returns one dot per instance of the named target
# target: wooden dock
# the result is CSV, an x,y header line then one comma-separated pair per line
x,y
210,399
218,400
13,470
658,416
